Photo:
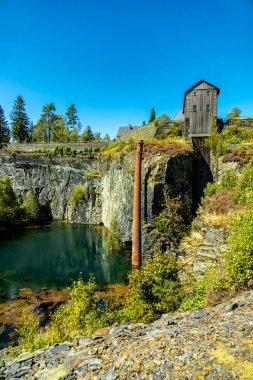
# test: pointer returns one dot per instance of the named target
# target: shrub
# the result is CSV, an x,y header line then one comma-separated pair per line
x,y
77,195
245,184
153,289
172,220
31,206
43,150
73,152
211,189
113,240
10,211
229,180
91,175
240,257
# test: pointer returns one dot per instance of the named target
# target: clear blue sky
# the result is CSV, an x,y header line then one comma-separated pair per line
x,y
115,59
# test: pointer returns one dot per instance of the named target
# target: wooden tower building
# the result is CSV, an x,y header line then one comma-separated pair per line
x,y
200,107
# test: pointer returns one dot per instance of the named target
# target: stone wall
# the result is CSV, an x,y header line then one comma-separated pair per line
x,y
33,147
246,122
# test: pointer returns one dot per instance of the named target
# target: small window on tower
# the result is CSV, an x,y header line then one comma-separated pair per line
x,y
208,92
194,108
208,107
194,93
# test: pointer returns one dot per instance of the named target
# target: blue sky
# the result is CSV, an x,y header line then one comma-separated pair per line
x,y
115,59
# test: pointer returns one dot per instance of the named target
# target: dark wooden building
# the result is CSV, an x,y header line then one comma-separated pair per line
x,y
200,107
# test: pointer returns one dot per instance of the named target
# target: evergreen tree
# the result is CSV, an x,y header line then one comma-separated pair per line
x,y
73,137
152,115
107,138
19,120
60,132
144,122
30,136
87,134
97,137
71,118
4,130
39,133
47,120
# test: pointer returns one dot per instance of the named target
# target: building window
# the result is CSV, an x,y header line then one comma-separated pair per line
x,y
208,107
208,92
194,93
194,108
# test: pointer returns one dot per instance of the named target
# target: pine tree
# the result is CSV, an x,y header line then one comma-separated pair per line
x,y
30,136
106,138
60,132
73,137
19,120
71,118
87,134
4,130
47,120
97,137
152,115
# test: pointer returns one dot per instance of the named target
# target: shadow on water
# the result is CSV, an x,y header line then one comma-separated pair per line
x,y
51,256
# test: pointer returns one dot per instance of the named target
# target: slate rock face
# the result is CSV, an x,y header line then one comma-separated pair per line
x,y
107,184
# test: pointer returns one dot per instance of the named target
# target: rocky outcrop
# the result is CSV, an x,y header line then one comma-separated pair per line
x,y
212,343
202,250
107,184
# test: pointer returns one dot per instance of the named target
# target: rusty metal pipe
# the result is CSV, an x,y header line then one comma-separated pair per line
x,y
136,232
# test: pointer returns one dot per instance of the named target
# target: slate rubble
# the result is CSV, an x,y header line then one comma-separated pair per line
x,y
177,346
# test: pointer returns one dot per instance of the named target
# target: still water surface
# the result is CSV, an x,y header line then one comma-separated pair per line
x,y
51,256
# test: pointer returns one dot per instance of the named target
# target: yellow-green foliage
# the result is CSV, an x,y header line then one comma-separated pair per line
x,y
153,289
113,240
91,175
244,189
172,220
10,211
240,258
31,206
77,195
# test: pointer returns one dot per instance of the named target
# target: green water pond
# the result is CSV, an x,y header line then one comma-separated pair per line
x,y
53,255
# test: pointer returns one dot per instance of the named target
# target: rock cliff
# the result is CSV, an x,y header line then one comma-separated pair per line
x,y
107,184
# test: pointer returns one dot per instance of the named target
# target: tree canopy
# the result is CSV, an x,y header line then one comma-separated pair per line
x,y
19,121
235,112
152,116
4,130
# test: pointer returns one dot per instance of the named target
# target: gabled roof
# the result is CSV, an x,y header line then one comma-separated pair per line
x,y
196,85
179,117
122,131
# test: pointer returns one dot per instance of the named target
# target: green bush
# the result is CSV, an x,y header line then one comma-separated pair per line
x,y
73,152
173,219
236,135
229,180
240,257
31,206
113,239
77,195
211,189
10,211
153,289
244,189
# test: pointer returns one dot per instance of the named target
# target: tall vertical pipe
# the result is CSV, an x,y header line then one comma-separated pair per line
x,y
136,233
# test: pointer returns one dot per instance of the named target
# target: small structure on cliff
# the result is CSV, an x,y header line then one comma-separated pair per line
x,y
200,107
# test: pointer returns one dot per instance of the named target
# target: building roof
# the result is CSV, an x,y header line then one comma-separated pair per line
x,y
179,117
122,131
196,85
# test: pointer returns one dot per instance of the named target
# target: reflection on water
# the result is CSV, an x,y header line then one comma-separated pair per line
x,y
51,256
